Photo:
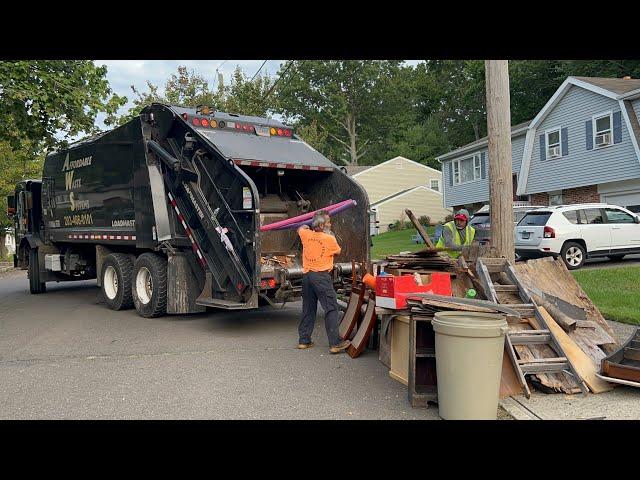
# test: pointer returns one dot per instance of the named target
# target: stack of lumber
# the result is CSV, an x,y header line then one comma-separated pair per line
x,y
428,258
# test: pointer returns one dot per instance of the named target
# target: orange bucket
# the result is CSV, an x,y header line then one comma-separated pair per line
x,y
369,280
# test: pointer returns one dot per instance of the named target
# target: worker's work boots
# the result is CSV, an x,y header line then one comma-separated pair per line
x,y
302,346
341,347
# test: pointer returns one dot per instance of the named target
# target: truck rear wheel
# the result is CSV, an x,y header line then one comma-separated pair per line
x,y
117,272
150,285
35,285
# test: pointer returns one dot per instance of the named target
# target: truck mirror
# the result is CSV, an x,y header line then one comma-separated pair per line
x,y
11,205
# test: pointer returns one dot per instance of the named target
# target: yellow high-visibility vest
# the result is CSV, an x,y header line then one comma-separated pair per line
x,y
470,233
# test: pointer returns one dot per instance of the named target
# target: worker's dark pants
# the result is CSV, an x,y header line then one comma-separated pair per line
x,y
319,286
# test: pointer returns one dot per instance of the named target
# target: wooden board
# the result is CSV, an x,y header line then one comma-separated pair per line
x,y
585,367
552,277
369,319
509,383
420,229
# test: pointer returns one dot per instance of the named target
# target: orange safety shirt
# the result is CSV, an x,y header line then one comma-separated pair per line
x,y
318,249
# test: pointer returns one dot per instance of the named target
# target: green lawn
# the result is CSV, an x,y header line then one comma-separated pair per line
x,y
615,291
396,241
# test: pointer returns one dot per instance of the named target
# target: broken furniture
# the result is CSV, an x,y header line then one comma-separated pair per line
x,y
422,375
528,332
400,341
369,320
623,366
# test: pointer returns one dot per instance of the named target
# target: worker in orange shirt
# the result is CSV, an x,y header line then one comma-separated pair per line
x,y
319,246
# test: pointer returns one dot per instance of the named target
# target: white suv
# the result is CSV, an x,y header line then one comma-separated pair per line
x,y
577,232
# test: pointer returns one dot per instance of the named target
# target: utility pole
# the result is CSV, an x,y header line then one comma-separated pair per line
x,y
500,168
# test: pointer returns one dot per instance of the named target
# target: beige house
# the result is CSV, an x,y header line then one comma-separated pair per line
x,y
397,184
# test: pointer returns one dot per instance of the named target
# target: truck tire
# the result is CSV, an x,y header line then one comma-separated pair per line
x,y
117,274
150,285
35,285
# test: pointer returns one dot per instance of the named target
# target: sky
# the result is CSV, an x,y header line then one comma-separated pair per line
x,y
124,73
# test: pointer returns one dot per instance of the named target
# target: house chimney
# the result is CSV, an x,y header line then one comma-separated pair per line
x,y
627,77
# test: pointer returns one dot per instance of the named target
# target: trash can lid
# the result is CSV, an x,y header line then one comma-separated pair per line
x,y
470,324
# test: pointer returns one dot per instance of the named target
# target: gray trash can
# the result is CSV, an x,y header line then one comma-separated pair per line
x,y
469,349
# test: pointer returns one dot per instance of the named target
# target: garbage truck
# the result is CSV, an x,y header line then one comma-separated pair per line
x,y
165,212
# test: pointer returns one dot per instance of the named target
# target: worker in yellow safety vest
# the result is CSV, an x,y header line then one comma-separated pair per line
x,y
457,234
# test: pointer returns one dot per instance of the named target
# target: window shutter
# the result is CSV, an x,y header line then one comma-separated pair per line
x,y
617,127
589,133
565,141
483,165
543,149
450,174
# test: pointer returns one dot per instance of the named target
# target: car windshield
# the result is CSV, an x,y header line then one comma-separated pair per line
x,y
479,218
536,219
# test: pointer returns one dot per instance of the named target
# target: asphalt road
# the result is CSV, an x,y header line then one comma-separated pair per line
x,y
65,355
628,261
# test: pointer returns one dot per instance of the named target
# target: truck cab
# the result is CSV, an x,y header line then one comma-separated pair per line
x,y
25,208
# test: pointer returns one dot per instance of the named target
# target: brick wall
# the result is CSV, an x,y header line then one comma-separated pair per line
x,y
588,194
541,199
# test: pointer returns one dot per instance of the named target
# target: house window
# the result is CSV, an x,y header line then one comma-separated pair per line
x,y
553,143
435,185
602,130
555,198
467,170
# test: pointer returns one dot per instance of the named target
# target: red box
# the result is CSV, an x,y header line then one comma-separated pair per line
x,y
392,291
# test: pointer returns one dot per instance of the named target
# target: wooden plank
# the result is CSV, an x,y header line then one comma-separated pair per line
x,y
485,281
544,360
510,381
419,228
585,367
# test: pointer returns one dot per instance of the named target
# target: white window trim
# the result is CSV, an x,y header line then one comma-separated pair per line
x,y
593,120
431,180
473,159
546,141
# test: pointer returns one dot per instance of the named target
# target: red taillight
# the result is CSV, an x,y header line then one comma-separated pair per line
x,y
238,126
205,122
272,283
287,133
196,122
549,232
280,131
263,284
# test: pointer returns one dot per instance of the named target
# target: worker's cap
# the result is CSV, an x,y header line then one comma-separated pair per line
x,y
462,214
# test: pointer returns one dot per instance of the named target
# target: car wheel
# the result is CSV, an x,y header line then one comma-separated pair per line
x,y
574,255
615,257
33,272
117,272
150,285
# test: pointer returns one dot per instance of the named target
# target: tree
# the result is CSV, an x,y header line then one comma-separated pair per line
x,y
313,135
347,99
41,100
15,166
190,89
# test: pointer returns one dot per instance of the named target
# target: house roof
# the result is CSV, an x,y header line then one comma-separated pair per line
x,y
403,192
372,167
619,86
353,169
516,130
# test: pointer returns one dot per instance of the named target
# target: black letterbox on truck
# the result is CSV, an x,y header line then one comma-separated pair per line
x,y
165,211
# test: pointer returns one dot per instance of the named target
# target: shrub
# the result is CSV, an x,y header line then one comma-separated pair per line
x,y
424,220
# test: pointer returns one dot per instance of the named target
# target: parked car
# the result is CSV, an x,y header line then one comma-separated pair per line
x,y
416,238
482,224
577,232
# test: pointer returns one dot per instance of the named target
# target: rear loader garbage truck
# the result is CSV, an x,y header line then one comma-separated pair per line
x,y
165,212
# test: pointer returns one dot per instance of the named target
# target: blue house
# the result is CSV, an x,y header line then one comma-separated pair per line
x,y
581,147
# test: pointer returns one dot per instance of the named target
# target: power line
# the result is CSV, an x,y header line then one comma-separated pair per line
x,y
276,82
256,74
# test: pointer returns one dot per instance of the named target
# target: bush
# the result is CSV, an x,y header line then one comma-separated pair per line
x,y
448,218
424,220
400,225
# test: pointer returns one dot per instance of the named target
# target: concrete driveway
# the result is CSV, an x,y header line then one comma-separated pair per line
x,y
65,355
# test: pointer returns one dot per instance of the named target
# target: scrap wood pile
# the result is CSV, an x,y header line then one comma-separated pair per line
x,y
427,258
551,301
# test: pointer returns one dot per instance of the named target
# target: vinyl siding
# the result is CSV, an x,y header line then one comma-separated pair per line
x,y
387,179
636,107
478,191
420,201
580,167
